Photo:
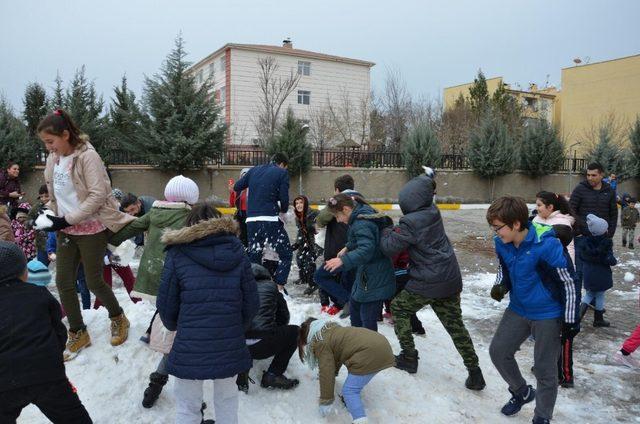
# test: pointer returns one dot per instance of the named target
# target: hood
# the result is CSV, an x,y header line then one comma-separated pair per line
x,y
305,209
197,243
163,214
364,211
260,273
352,192
417,194
605,185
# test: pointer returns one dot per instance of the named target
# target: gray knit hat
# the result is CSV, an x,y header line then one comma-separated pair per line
x,y
597,226
12,261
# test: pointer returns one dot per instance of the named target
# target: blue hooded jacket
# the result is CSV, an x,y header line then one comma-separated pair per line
x,y
208,294
539,276
268,184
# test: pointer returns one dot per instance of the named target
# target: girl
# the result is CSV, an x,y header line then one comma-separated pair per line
x,y
305,242
180,193
554,209
10,191
86,213
327,346
207,295
375,279
24,234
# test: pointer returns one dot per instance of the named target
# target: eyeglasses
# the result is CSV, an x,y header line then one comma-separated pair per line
x,y
497,229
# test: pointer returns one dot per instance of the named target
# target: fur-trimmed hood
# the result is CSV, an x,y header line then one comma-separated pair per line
x,y
216,226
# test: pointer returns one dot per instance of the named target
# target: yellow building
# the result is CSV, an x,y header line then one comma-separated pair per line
x,y
590,94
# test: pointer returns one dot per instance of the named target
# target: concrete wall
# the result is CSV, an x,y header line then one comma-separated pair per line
x,y
380,185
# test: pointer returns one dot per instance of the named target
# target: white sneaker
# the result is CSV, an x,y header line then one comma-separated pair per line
x,y
362,420
627,361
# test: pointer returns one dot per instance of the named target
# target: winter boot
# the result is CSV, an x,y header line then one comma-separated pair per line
x,y
76,342
598,319
630,245
277,381
119,329
522,397
152,393
475,381
407,361
310,290
242,381
202,408
624,242
538,420
583,310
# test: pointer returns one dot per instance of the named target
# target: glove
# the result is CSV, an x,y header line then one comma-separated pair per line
x,y
570,330
498,291
59,223
326,409
295,246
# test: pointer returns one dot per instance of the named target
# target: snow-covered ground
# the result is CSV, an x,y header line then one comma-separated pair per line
x,y
110,381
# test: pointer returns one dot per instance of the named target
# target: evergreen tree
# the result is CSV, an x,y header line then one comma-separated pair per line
x,y
479,95
634,139
510,110
184,130
491,149
291,140
541,150
420,147
15,144
35,107
125,117
57,101
610,155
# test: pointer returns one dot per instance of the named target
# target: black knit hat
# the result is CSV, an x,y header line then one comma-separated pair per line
x,y
12,261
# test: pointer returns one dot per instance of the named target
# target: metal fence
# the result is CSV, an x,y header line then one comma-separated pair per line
x,y
341,158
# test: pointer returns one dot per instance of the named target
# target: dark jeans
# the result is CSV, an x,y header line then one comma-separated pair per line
x,y
579,245
274,233
281,344
57,400
365,314
42,256
337,285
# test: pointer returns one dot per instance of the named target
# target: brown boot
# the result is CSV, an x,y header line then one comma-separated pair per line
x,y
119,329
75,343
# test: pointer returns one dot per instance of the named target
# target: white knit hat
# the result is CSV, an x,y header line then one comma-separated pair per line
x,y
181,189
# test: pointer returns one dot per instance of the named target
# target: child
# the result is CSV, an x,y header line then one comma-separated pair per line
x,y
32,340
239,201
180,192
554,209
327,346
375,280
629,219
41,236
597,257
207,295
305,242
270,334
85,215
25,237
534,270
434,277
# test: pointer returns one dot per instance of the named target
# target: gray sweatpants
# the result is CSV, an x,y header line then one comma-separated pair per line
x,y
512,331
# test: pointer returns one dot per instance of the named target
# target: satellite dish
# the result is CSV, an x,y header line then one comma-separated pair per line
x,y
577,61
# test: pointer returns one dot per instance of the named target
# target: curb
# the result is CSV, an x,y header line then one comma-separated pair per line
x,y
380,207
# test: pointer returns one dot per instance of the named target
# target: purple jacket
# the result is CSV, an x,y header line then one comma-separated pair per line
x,y
8,185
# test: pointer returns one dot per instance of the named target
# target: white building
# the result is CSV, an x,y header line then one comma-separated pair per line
x,y
325,80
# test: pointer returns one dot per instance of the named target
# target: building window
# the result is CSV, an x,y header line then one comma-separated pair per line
x,y
211,69
304,68
223,64
200,77
304,97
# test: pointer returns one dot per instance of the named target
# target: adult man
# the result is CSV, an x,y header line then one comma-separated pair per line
x,y
136,206
593,196
268,199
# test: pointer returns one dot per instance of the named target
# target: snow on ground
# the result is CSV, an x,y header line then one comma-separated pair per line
x,y
111,380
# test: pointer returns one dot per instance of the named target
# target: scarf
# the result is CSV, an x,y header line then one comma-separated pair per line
x,y
315,334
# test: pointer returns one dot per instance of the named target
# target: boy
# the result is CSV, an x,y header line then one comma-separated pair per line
x,y
32,339
534,269
305,242
434,277
629,219
41,236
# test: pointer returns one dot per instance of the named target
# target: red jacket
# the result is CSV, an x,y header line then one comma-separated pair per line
x,y
243,200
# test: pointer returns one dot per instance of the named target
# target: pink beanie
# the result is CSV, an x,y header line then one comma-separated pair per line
x,y
181,189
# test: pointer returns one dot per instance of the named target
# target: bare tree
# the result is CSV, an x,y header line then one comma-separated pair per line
x,y
274,90
396,105
456,127
321,129
350,119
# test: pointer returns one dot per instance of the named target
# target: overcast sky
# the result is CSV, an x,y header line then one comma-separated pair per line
x,y
433,44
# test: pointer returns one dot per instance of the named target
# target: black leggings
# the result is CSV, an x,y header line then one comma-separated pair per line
x,y
281,344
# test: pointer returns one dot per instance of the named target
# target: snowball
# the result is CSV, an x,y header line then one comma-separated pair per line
x,y
126,251
42,221
629,277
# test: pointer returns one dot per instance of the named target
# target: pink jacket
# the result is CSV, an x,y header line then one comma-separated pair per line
x,y
557,218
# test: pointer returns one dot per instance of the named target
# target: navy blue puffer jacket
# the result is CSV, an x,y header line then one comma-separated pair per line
x,y
208,294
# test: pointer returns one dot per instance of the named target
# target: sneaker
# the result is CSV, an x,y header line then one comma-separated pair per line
x,y
152,392
475,381
310,290
119,329
538,420
387,315
242,381
598,319
75,343
277,381
567,384
324,309
625,360
345,311
333,310
518,400
407,362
